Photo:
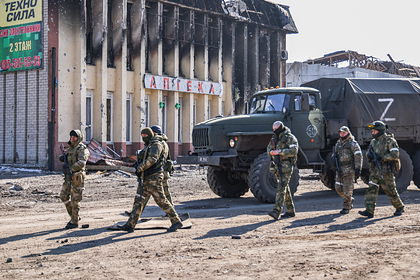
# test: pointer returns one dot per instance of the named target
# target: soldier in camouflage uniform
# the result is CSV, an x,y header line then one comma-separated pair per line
x,y
71,194
349,157
387,154
151,169
168,166
286,147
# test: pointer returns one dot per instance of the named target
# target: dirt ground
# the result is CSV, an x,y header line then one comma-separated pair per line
x,y
230,238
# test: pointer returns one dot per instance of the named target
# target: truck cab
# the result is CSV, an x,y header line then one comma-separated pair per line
x,y
234,147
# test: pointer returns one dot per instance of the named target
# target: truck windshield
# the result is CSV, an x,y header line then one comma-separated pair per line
x,y
270,103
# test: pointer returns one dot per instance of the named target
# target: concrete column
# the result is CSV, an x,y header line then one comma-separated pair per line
x,y
172,122
283,62
228,63
187,67
139,39
264,52
187,122
100,92
171,44
119,12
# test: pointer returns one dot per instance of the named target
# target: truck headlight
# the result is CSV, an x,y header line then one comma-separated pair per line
x,y
232,142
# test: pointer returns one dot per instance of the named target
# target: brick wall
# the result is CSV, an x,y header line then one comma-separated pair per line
x,y
24,112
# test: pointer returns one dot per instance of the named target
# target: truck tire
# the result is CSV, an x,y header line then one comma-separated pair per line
x,y
226,183
328,179
416,164
263,183
404,176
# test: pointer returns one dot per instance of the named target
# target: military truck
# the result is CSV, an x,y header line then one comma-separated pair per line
x,y
234,147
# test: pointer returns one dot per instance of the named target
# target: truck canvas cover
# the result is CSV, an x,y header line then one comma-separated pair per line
x,y
361,101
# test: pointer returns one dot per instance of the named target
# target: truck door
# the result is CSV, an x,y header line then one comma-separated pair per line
x,y
307,121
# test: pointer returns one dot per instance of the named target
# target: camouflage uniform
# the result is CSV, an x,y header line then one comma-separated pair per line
x,y
288,144
350,159
77,156
166,173
152,170
387,151
167,170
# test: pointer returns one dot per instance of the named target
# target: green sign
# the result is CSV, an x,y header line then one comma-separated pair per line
x,y
20,35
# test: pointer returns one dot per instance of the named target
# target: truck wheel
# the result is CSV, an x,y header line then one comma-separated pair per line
x,y
226,183
416,163
328,179
404,176
263,183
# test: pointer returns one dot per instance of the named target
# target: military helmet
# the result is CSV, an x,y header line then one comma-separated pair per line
x,y
344,129
378,125
156,129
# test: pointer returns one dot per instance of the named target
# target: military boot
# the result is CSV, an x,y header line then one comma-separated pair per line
x,y
274,215
398,212
126,228
174,227
288,215
366,214
344,211
70,225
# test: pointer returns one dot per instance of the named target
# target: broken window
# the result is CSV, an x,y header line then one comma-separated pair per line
x,y
110,57
89,112
109,117
128,120
129,39
89,33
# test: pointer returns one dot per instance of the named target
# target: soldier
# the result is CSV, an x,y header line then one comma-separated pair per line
x,y
284,145
168,167
383,156
349,158
71,192
151,169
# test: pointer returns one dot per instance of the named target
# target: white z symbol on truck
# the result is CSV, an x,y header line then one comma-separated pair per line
x,y
390,100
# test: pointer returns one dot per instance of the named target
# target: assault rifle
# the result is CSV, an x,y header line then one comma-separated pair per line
x,y
66,167
139,175
375,160
337,166
277,160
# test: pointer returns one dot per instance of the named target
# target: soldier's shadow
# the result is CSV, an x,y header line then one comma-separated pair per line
x,y
318,220
239,230
355,224
27,236
74,247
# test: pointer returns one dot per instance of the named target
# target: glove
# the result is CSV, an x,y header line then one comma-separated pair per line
x,y
356,174
369,156
139,171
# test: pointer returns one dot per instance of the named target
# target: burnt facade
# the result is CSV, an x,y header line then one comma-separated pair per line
x,y
116,66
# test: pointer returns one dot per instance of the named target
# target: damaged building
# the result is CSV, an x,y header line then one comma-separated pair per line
x,y
347,64
113,67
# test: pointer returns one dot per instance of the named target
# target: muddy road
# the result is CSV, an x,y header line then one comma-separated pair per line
x,y
229,238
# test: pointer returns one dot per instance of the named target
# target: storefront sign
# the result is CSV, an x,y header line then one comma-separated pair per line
x,y
183,85
20,35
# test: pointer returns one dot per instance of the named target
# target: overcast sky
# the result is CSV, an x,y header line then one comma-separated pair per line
x,y
371,27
